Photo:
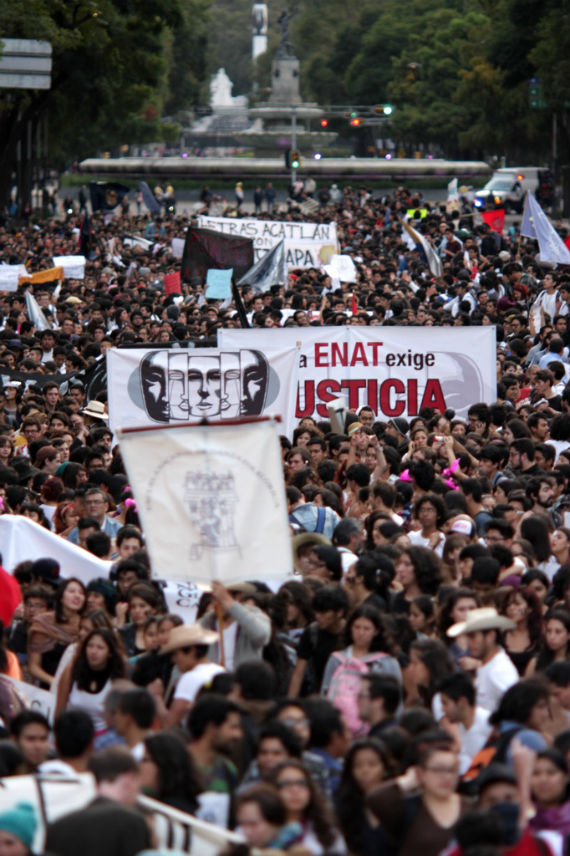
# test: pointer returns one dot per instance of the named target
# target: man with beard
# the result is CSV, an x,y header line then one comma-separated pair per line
x,y
215,726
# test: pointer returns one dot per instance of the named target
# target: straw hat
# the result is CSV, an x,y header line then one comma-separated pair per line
x,y
187,635
484,618
315,539
95,409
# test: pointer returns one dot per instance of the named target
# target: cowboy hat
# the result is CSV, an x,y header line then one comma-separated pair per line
x,y
242,588
484,618
302,540
96,409
187,635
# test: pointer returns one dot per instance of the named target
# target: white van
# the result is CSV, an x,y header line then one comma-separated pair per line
x,y
507,188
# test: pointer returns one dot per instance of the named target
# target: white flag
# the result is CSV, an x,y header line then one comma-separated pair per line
x,y
535,224
211,500
25,540
452,193
34,312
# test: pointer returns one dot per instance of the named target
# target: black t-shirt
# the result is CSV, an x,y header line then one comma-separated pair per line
x,y
316,646
399,603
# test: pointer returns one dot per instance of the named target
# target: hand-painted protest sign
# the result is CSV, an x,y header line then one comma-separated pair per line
x,y
395,370
306,244
152,387
211,500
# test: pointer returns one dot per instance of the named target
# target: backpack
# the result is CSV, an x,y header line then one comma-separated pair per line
x,y
493,752
345,684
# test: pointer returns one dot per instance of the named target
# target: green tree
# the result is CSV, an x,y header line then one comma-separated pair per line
x,y
109,75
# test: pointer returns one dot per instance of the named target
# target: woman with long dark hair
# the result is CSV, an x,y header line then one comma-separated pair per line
x,y
380,528
556,642
51,632
304,804
430,663
521,643
366,766
418,810
169,774
365,635
429,511
369,648
536,530
144,601
368,580
550,793
88,680
454,609
418,571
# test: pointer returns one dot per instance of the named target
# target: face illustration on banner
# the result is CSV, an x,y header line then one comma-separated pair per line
x,y
182,387
204,386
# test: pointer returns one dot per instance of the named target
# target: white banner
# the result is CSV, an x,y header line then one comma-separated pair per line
x,y
395,370
73,266
35,698
23,540
153,387
306,244
211,500
10,276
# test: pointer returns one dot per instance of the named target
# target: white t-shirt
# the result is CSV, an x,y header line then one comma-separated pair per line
x,y
473,740
191,682
493,679
418,540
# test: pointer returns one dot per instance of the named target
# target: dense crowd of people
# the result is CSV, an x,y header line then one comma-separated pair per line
x,y
408,689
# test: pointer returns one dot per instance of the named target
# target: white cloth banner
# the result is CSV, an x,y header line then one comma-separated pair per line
x,y
73,266
211,500
306,244
10,276
395,370
153,387
23,540
34,697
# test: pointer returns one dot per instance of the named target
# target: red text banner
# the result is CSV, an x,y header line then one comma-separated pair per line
x,y
395,370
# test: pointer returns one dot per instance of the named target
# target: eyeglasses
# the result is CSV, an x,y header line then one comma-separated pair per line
x,y
443,771
290,722
293,783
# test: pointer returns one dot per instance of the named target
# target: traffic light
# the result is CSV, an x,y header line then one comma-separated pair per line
x,y
535,98
384,109
356,121
324,123
295,162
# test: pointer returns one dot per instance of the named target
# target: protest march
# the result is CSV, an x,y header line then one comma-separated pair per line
x,y
285,530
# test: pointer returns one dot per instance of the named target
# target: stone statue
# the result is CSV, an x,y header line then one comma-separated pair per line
x,y
221,90
284,48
